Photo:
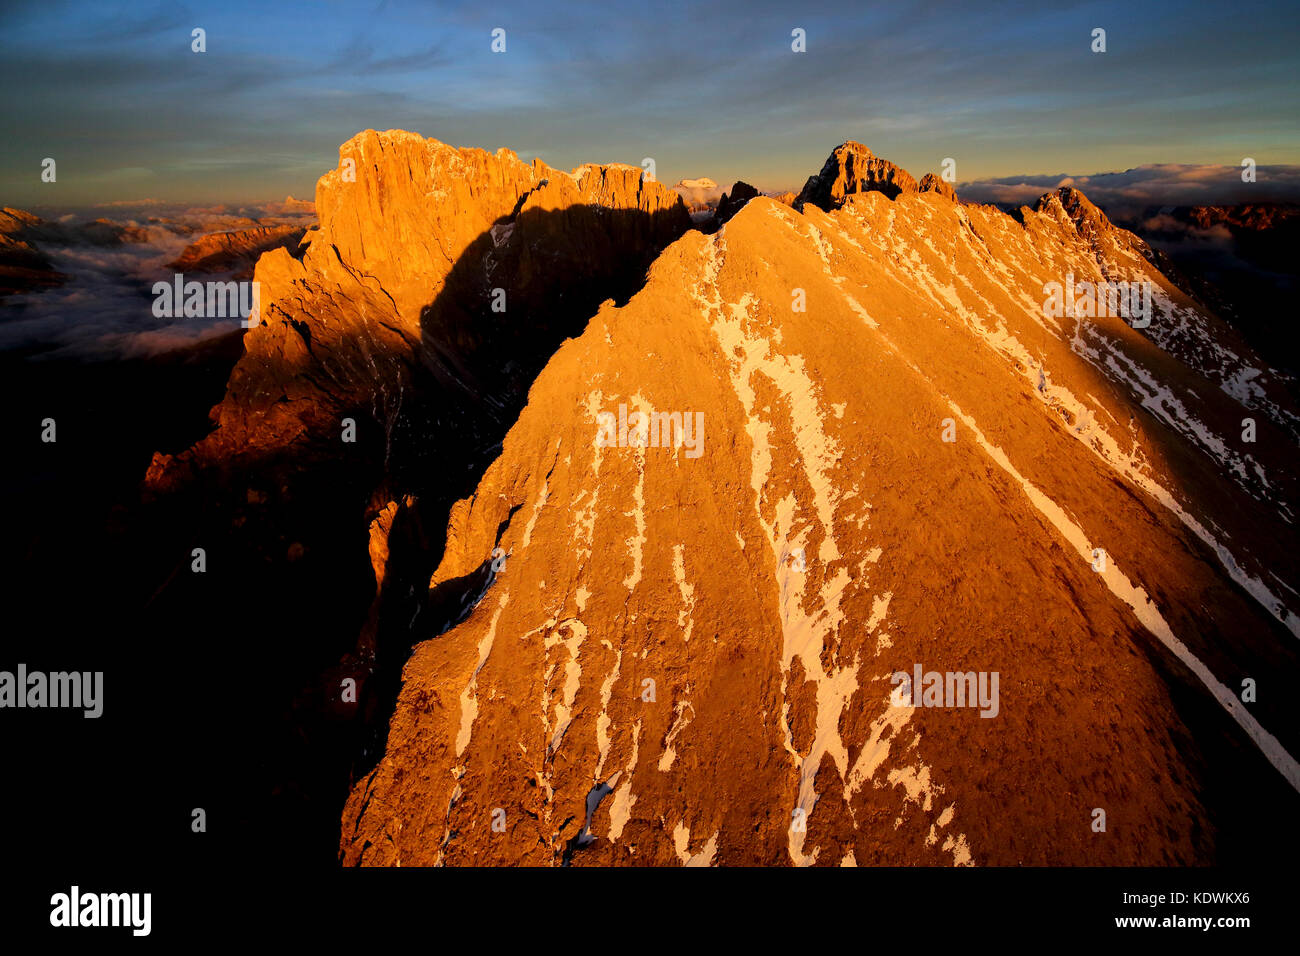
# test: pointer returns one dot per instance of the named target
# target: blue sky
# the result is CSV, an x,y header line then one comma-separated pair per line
x,y
113,92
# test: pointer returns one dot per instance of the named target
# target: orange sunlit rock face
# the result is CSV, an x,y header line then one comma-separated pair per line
x,y
907,466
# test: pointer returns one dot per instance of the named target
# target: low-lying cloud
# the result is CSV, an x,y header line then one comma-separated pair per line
x,y
105,309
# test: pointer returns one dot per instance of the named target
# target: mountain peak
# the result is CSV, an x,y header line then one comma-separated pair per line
x,y
414,235
930,183
853,146
853,168
1076,207
731,203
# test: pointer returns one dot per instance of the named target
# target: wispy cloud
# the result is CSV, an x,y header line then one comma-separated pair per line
x,y
704,89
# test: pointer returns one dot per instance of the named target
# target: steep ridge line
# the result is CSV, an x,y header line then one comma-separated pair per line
x,y
1120,585
804,644
1097,439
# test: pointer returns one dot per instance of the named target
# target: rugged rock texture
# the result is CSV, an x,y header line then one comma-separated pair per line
x,y
930,183
850,169
236,252
1197,338
672,659
384,316
399,279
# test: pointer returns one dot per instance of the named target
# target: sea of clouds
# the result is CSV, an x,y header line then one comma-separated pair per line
x,y
105,309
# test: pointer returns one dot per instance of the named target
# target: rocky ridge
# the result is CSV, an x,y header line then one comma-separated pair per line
x,y
236,252
852,168
905,461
